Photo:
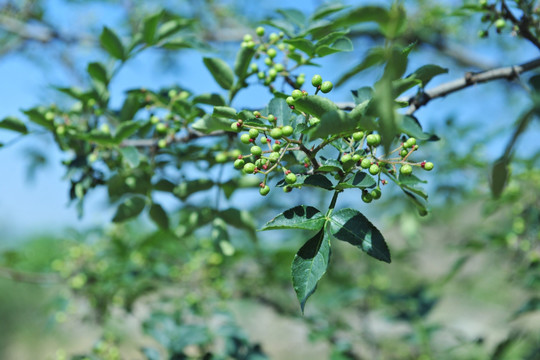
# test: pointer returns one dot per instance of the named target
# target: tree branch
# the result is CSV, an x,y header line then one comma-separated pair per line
x,y
28,277
521,24
509,73
192,135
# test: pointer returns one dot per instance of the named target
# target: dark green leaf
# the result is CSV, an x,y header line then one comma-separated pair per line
x,y
208,123
98,73
186,188
411,127
351,226
309,265
499,176
375,56
329,165
171,27
129,209
384,104
341,44
327,9
427,72
294,16
112,44
362,95
334,122
315,105
13,124
126,129
362,14
221,72
299,217
302,44
164,185
210,99
159,216
131,155
133,103
396,22
318,180
243,59
360,180
150,28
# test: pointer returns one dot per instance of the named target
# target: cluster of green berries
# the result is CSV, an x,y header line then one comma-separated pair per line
x,y
165,128
493,17
318,83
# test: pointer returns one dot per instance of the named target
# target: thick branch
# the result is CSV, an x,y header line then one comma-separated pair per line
x,y
509,73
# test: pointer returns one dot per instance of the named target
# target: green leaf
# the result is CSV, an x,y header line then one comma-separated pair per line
x,y
396,22
129,209
384,104
150,28
171,27
240,219
131,155
499,176
112,44
187,188
13,124
327,9
126,129
164,185
225,111
427,72
279,108
208,124
294,16
314,105
221,72
374,57
334,122
210,99
243,59
309,265
341,44
351,226
36,115
411,127
159,216
98,73
302,44
420,203
330,165
360,180
318,180
331,38
298,217
282,25
132,104
362,14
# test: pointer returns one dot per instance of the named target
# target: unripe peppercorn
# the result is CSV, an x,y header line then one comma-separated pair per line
x,y
249,168
253,133
326,87
271,53
357,136
287,188
276,133
356,158
264,190
428,166
290,178
261,75
264,140
272,73
154,119
500,24
366,163
271,118
287,130
276,147
290,100
366,197
296,94
162,143
410,142
161,127
376,193
279,67
316,80
259,31
255,150
244,138
239,163
405,169
346,158
273,37
373,139
274,156
403,153
374,169
221,157
300,80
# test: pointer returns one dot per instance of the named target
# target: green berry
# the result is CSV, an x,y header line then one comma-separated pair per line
x,y
356,158
357,136
248,37
366,197
366,163
161,128
249,168
403,153
411,142
235,153
264,140
276,147
272,73
279,67
256,113
290,178
271,118
290,100
154,119
296,94
326,87
61,130
271,53
292,47
261,75
281,46
276,133
287,130
300,80
253,133
428,166
234,127
405,170
316,80
346,158
162,143
255,150
274,156
483,3
483,34
373,139
254,67
287,188
500,24
273,37
221,157
49,115
264,190
259,31
245,138
374,169
376,193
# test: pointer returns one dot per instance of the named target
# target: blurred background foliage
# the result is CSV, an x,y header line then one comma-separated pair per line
x,y
464,282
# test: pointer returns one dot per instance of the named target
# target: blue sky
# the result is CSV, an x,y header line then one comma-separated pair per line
x,y
30,207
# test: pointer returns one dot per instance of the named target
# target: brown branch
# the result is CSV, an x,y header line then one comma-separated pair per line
x,y
29,277
509,73
521,24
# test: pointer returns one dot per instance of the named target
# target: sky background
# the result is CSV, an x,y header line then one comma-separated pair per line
x,y
41,205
